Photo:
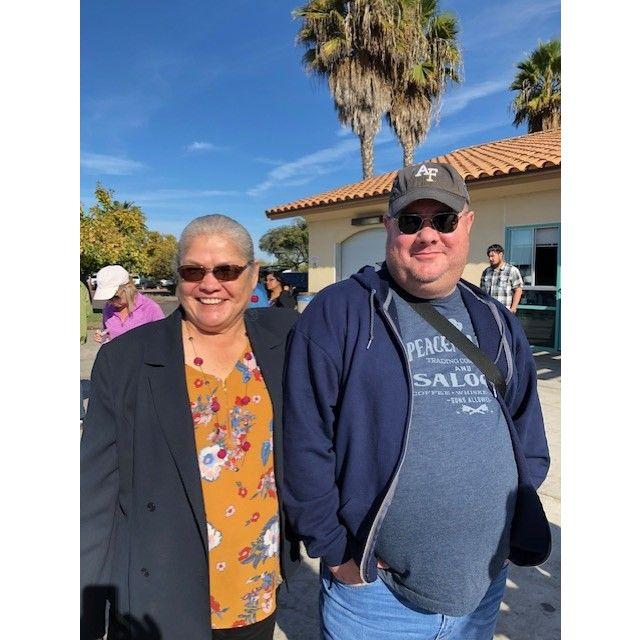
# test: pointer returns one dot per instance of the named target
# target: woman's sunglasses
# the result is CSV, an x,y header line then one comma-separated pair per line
x,y
222,272
410,223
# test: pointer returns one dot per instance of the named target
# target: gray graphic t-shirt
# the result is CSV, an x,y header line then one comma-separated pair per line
x,y
446,533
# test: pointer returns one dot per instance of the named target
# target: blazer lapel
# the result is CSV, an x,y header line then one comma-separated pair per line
x,y
270,358
264,344
164,363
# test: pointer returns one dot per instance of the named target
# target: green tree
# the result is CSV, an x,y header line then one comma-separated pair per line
x,y
114,232
162,251
428,56
538,85
289,244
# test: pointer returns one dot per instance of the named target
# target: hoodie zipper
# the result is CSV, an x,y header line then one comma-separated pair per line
x,y
384,505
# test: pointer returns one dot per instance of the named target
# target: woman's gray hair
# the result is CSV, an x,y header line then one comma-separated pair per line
x,y
212,225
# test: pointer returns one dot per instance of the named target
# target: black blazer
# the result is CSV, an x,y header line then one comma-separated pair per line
x,y
285,300
143,529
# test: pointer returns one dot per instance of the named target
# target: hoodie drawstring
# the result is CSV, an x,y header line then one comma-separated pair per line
x,y
371,296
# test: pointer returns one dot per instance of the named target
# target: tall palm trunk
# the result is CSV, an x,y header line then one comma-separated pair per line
x,y
366,153
552,122
407,153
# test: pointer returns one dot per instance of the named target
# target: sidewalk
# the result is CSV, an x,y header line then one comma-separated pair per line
x,y
531,607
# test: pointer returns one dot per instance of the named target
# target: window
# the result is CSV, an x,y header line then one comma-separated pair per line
x,y
520,242
534,250
546,256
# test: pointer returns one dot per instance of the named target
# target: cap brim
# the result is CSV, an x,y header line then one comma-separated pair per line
x,y
428,193
105,292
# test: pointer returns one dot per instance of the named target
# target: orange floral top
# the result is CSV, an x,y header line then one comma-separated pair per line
x,y
233,421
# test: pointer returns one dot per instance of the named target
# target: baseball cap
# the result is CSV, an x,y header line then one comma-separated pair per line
x,y
428,180
109,280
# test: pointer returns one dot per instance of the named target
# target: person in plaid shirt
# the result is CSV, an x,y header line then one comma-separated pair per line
x,y
502,280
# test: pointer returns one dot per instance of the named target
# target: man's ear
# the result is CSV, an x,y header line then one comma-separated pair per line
x,y
470,216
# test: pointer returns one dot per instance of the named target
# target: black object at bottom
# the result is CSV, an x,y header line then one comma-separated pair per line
x,y
262,630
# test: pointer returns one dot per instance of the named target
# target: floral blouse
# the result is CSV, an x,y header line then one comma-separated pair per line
x,y
233,422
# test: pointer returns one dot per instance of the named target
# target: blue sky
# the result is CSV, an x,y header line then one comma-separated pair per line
x,y
203,107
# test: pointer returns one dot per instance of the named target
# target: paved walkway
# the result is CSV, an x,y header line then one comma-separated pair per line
x,y
531,607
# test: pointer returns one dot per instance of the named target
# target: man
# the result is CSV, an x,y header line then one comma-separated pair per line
x,y
502,280
406,472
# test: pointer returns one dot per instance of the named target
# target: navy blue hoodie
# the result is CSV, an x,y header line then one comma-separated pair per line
x,y
347,405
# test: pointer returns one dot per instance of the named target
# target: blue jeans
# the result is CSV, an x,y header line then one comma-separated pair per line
x,y
374,612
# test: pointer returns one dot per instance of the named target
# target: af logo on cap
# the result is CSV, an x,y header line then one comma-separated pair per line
x,y
430,172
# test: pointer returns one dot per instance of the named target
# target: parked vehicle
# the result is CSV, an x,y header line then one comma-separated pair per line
x,y
136,279
165,282
147,283
297,280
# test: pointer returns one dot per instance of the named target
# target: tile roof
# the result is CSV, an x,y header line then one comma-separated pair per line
x,y
483,161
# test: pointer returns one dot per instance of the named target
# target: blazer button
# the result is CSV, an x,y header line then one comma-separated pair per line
x,y
144,572
151,506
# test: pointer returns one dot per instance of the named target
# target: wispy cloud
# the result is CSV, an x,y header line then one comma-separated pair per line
x,y
144,87
490,23
169,195
198,147
131,110
109,165
308,167
460,98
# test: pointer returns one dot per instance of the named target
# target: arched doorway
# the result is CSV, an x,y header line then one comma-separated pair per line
x,y
360,249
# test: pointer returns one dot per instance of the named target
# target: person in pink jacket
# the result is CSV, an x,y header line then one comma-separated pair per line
x,y
126,307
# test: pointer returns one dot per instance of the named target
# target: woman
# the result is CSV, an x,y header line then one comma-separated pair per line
x,y
126,308
181,455
278,296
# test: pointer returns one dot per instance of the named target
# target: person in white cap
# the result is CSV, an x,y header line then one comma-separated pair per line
x,y
126,307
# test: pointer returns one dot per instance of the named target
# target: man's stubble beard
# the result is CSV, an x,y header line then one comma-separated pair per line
x,y
417,283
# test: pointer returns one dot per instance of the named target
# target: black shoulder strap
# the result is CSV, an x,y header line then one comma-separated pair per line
x,y
457,338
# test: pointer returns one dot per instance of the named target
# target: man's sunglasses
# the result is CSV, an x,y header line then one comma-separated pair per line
x,y
222,272
411,223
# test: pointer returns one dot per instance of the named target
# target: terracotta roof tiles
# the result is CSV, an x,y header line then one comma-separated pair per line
x,y
521,154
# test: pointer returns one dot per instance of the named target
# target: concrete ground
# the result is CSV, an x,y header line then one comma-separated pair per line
x,y
531,606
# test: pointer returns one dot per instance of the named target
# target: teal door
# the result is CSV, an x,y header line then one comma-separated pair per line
x,y
535,250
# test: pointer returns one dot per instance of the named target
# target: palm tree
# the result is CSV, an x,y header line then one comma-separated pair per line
x,y
431,57
344,41
538,85
381,56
